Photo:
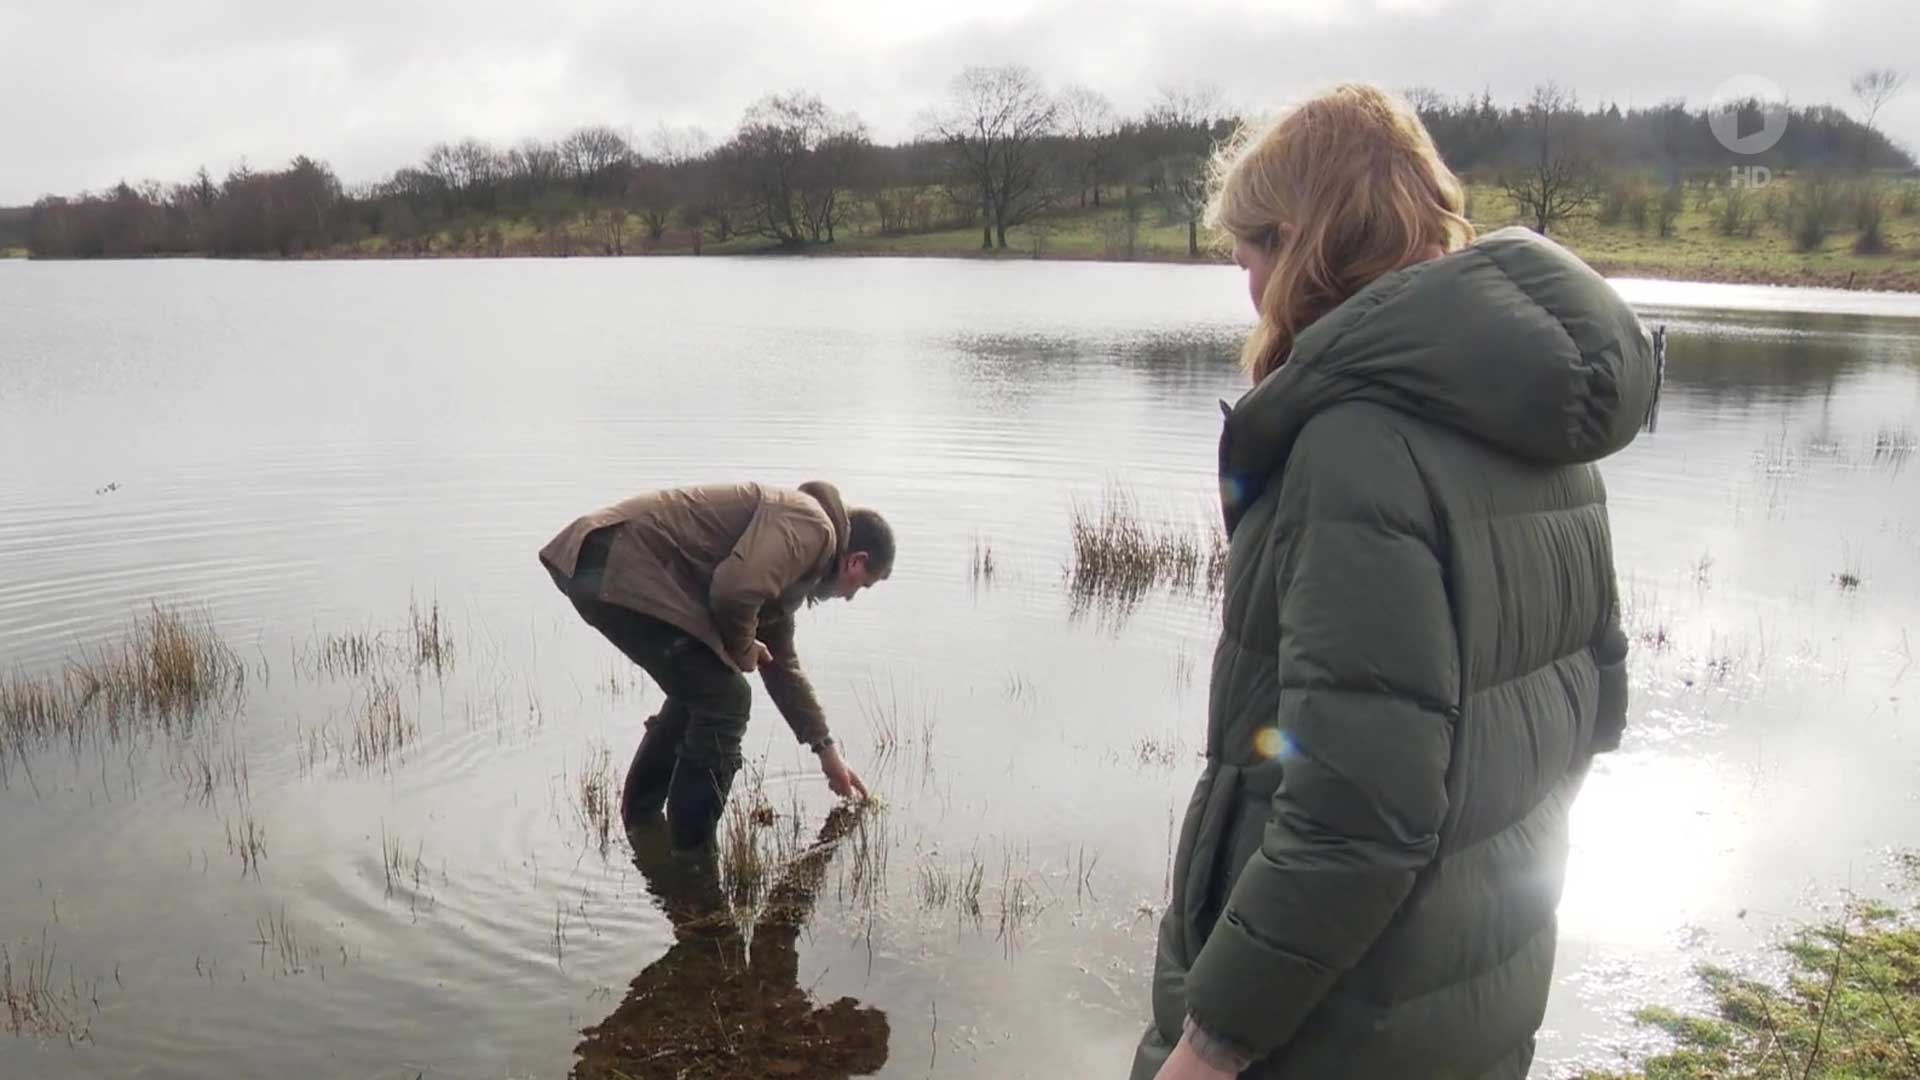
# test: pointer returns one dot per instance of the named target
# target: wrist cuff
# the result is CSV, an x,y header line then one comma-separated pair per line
x,y
1220,1053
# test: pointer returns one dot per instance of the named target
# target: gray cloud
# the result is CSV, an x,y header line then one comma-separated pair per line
x,y
95,92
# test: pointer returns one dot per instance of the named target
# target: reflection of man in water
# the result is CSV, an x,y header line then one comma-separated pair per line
x,y
712,1007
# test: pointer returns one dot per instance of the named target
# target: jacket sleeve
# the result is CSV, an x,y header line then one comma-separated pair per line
x,y
1369,685
787,685
779,548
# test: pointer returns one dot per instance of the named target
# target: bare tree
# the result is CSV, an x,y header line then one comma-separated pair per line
x,y
469,172
1186,188
1875,88
531,168
717,187
651,191
1189,106
675,146
591,154
1425,101
613,222
1556,181
996,124
797,158
1090,126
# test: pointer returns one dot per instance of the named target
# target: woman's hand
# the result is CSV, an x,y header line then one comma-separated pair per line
x,y
844,781
1184,1064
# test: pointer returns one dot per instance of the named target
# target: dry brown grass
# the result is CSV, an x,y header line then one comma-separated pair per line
x,y
352,654
163,673
594,797
383,727
1119,555
432,645
424,644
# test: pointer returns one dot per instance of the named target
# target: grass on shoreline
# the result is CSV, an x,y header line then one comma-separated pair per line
x,y
1849,1010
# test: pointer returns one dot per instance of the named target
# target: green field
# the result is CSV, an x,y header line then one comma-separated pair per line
x,y
1695,250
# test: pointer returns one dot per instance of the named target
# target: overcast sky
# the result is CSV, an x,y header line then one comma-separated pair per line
x,y
94,91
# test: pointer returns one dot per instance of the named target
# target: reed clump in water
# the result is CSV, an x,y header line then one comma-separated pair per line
x,y
980,564
162,673
938,886
894,726
350,654
278,941
432,645
594,797
383,727
424,643
1119,555
36,1005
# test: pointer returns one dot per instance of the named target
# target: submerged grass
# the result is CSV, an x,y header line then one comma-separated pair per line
x,y
1849,1010
278,941
37,1006
895,727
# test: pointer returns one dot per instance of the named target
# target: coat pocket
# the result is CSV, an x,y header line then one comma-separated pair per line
x,y
1207,868
1610,715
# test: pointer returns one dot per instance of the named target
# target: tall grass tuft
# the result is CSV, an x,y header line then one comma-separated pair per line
x,y
35,1005
162,673
432,646
383,728
1118,555
595,798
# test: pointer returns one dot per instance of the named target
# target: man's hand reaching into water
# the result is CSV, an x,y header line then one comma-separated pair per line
x,y
843,780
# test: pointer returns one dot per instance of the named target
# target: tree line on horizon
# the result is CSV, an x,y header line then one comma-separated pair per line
x,y
1001,151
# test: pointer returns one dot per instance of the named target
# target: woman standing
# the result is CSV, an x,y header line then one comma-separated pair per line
x,y
1421,650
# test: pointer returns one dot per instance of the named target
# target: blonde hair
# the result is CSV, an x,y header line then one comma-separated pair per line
x,y
1344,187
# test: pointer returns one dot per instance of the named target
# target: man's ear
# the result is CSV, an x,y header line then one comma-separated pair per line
x,y
856,560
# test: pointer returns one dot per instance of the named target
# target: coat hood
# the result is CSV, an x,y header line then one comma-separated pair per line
x,y
829,499
1512,340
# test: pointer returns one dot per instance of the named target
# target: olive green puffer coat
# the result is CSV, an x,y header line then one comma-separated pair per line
x,y
1421,654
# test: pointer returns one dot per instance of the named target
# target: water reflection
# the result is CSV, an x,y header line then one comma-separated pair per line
x,y
725,1000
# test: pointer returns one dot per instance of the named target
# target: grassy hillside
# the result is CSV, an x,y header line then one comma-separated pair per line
x,y
1695,250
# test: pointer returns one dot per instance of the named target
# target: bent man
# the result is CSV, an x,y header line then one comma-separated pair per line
x,y
699,586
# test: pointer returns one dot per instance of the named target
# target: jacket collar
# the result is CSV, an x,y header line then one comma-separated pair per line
x,y
829,499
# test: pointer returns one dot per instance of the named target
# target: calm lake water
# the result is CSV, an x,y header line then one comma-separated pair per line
x,y
300,451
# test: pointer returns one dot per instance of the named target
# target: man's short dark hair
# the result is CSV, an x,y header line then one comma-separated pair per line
x,y
869,532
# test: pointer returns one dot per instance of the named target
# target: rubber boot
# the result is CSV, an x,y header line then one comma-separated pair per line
x,y
695,801
650,775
